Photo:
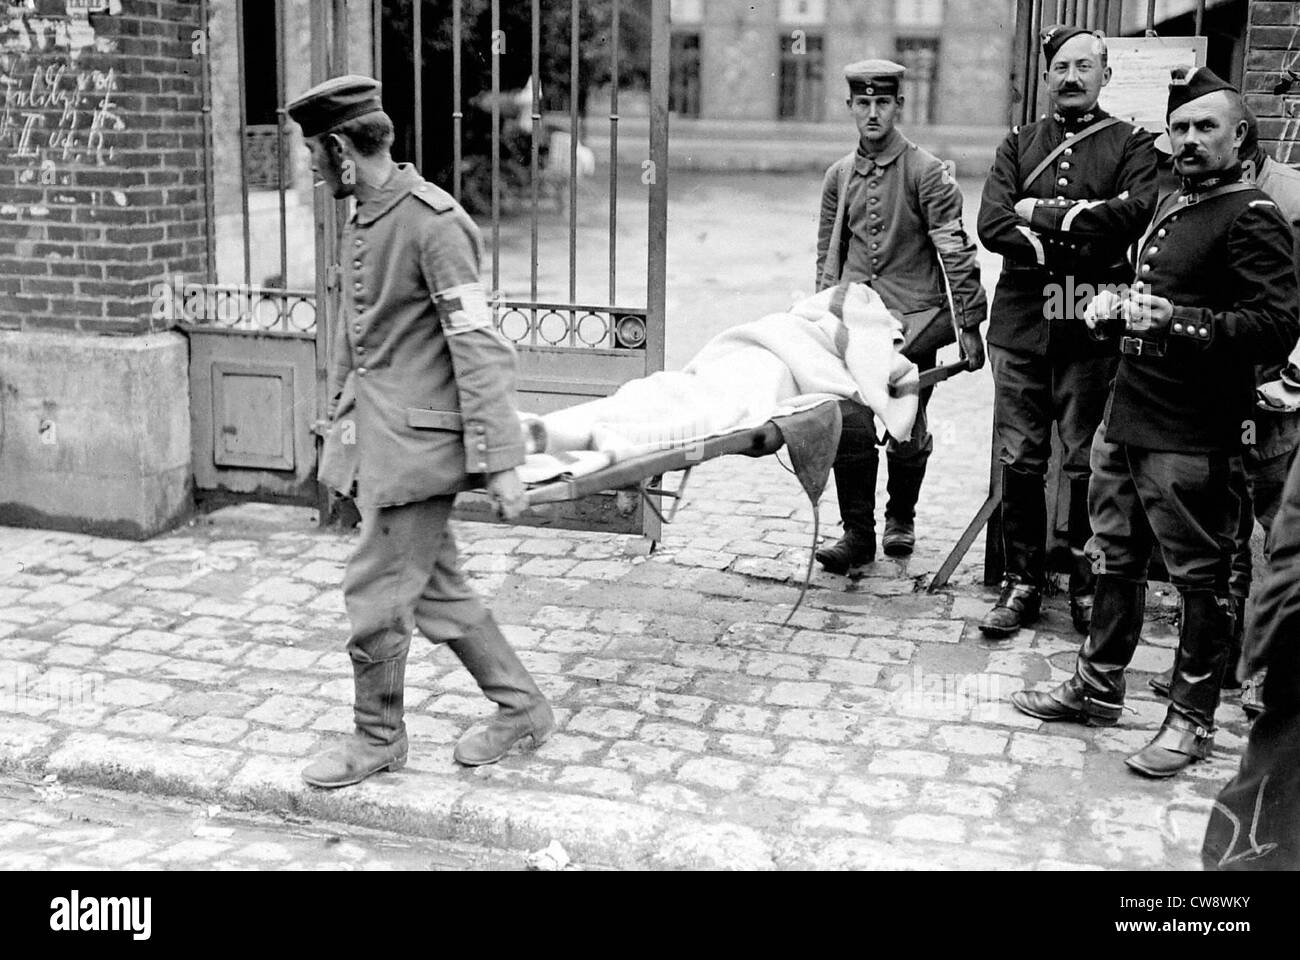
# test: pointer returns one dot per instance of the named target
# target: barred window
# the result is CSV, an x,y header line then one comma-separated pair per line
x,y
684,90
921,82
803,69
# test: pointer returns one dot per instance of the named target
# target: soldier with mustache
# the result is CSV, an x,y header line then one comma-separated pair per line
x,y
1214,295
1065,198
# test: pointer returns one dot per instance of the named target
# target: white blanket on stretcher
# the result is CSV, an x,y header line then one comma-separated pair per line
x,y
743,377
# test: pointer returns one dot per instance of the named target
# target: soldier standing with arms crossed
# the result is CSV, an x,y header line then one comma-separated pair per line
x,y
429,384
891,218
1065,198
1215,295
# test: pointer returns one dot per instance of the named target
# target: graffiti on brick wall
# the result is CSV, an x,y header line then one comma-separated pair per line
x,y
56,112
1290,101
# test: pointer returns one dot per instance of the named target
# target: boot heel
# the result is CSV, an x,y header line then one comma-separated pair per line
x,y
396,765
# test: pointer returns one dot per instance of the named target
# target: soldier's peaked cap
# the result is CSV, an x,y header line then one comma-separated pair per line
x,y
330,104
874,77
1188,84
1055,37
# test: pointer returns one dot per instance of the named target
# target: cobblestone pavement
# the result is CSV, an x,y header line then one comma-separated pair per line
x,y
49,826
693,729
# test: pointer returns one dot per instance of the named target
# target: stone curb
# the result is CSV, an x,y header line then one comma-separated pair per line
x,y
597,831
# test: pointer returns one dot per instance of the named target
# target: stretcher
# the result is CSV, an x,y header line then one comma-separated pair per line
x,y
811,437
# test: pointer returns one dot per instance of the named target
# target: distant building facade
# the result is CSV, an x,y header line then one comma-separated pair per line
x,y
782,59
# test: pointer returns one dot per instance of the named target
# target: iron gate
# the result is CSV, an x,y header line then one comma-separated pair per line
x,y
571,347
259,339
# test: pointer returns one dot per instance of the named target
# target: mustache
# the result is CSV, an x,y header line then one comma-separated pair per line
x,y
1071,88
1190,153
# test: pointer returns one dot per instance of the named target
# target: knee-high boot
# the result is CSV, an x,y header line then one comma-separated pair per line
x,y
522,709
1095,694
379,740
1187,735
1083,581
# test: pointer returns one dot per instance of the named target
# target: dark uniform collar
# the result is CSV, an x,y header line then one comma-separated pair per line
x,y
1206,182
891,151
1077,121
404,179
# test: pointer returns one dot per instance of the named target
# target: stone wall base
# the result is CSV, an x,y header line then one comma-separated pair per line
x,y
95,433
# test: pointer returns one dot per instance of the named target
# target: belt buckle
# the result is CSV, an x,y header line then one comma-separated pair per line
x,y
1131,346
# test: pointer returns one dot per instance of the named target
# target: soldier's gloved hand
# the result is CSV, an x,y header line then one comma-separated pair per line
x,y
506,492
1025,209
972,347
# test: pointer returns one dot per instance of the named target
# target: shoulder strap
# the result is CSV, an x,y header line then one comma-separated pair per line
x,y
434,196
1169,205
1046,162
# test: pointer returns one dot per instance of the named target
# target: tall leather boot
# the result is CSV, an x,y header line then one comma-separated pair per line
x,y
522,709
1083,581
1187,735
1095,694
1024,540
1161,682
379,740
855,487
904,486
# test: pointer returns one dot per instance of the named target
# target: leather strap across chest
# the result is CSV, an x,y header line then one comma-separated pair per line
x,y
1170,205
1060,148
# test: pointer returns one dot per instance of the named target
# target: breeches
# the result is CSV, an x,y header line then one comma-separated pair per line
x,y
1183,503
1032,392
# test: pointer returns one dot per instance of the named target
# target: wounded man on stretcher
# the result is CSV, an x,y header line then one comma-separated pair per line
x,y
842,344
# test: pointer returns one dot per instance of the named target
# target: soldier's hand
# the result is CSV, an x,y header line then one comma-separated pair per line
x,y
506,492
1104,306
1025,209
972,347
1144,312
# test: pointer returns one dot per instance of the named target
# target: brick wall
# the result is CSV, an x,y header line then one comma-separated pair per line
x,y
1273,45
101,162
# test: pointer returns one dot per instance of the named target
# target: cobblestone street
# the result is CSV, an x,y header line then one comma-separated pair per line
x,y
694,731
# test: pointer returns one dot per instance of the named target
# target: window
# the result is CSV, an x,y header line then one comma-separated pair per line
x,y
921,82
684,90
263,162
803,88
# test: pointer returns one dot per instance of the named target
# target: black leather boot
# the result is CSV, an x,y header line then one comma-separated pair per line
x,y
522,710
904,486
1019,605
1161,682
379,741
1095,694
854,549
1204,639
855,487
1024,536
1082,579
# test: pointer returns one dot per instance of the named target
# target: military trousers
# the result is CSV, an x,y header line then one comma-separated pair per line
x,y
1031,392
1258,485
1180,503
404,574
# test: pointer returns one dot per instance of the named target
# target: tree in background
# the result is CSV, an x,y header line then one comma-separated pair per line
x,y
515,62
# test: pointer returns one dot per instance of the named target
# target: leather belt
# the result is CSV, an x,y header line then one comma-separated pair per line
x,y
1137,347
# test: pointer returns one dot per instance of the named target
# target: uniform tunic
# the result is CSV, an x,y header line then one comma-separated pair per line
x,y
1226,264
433,381
889,220
1108,184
